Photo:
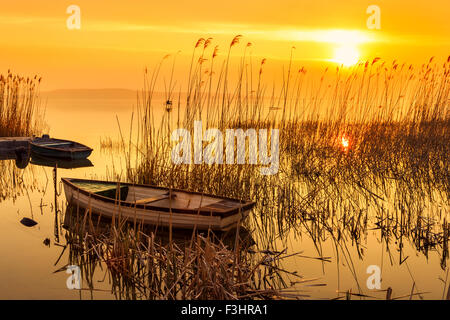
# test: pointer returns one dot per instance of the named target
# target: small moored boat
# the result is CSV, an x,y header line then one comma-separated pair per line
x,y
157,205
57,148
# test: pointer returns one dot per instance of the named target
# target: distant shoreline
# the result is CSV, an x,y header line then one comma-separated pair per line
x,y
117,93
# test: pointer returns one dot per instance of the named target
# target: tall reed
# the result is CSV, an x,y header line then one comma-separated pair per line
x,y
20,113
362,147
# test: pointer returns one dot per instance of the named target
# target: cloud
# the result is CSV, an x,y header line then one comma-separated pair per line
x,y
252,31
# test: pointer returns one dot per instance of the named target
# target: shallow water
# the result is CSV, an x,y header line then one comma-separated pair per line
x,y
27,267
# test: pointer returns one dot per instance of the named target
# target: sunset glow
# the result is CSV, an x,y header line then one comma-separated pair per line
x,y
345,143
117,40
225,151
346,55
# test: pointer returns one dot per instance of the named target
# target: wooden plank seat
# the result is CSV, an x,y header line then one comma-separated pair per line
x,y
220,206
154,199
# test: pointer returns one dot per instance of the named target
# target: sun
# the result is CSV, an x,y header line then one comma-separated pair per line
x,y
346,55
345,142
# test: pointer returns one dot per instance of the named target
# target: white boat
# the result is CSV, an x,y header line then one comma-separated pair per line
x,y
157,205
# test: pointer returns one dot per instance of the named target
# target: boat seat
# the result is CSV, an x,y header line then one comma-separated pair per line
x,y
220,206
154,199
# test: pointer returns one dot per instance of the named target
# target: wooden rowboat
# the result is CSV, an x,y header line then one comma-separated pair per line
x,y
157,205
57,148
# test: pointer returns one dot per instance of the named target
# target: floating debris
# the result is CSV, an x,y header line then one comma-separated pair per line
x,y
47,242
27,222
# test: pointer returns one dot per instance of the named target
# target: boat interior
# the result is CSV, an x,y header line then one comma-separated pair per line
x,y
46,141
160,197
56,143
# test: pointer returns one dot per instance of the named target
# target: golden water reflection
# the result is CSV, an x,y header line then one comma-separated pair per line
x,y
335,249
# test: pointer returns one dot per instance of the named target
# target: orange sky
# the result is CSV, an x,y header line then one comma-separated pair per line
x,y
118,39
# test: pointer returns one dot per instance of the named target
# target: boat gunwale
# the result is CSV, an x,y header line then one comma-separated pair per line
x,y
77,144
246,205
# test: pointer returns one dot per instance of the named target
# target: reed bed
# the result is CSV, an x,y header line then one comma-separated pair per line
x,y
361,148
147,264
108,144
20,113
16,182
394,118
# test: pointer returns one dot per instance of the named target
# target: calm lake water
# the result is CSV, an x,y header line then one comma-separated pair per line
x,y
28,266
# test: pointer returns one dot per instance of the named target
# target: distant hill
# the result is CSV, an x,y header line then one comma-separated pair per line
x,y
109,93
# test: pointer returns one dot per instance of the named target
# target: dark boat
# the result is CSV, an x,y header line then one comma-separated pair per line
x,y
58,148
154,205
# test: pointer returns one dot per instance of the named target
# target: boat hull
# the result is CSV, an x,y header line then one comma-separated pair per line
x,y
43,161
58,148
61,154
